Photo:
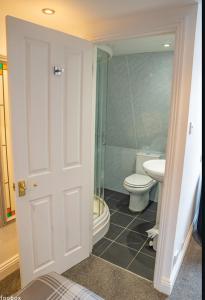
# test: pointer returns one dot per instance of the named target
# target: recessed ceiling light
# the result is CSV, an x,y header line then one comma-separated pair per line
x,y
48,11
167,45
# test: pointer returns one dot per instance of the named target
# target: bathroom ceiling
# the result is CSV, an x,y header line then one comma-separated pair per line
x,y
75,16
143,44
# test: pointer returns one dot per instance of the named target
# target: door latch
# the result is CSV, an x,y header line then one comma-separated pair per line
x,y
22,188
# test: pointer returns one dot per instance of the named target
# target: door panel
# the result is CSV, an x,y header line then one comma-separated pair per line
x,y
51,130
42,237
72,108
37,94
72,209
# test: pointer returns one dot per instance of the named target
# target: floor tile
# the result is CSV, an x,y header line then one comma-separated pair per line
x,y
119,196
113,231
107,193
119,255
123,206
143,265
126,243
131,239
100,246
148,215
152,206
111,203
140,225
112,211
121,219
148,250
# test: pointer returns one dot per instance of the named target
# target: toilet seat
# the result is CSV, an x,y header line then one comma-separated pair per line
x,y
139,187
138,180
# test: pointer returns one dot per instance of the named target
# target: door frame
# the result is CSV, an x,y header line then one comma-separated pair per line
x,y
165,274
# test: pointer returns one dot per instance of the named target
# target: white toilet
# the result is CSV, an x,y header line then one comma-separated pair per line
x,y
140,184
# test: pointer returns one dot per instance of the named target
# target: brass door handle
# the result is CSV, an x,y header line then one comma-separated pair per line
x,y
22,188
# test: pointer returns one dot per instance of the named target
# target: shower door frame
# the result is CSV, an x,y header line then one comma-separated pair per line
x,y
100,113
181,25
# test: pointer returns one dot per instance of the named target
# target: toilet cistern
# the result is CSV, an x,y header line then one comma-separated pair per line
x,y
155,168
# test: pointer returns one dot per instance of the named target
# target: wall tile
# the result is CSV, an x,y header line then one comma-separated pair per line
x,y
138,105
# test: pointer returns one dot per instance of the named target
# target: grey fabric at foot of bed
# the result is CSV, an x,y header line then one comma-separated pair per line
x,y
54,286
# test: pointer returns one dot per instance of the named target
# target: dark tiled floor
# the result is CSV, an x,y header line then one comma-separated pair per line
x,y
131,239
143,265
152,206
121,219
148,215
119,255
112,211
148,250
140,225
126,244
113,231
101,246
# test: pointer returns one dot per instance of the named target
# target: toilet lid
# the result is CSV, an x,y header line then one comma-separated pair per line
x,y
138,180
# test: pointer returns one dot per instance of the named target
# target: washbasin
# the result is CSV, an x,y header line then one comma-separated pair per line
x,y
155,168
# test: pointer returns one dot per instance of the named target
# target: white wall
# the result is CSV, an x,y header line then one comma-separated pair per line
x,y
8,236
8,242
192,164
8,249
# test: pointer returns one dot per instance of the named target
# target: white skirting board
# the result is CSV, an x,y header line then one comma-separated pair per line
x,y
167,284
9,266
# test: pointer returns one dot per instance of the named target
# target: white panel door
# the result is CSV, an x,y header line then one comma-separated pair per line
x,y
51,131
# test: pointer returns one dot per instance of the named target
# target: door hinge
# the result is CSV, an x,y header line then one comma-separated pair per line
x,y
190,127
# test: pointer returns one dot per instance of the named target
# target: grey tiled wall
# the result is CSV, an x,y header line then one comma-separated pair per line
x,y
138,105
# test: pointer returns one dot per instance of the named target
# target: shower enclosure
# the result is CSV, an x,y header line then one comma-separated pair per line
x,y
101,214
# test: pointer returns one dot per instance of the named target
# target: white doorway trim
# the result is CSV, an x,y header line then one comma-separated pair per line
x,y
183,28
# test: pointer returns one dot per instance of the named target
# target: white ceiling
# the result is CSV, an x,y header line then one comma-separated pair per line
x,y
153,43
72,16
80,11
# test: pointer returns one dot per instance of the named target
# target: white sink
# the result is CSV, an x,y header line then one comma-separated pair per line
x,y
155,168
